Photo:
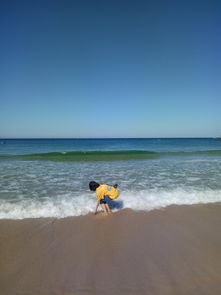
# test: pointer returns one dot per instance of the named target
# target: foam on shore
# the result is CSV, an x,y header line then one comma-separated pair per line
x,y
61,206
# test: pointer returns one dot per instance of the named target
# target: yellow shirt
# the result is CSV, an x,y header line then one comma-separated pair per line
x,y
106,190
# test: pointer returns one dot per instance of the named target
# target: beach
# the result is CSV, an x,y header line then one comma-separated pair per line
x,y
176,250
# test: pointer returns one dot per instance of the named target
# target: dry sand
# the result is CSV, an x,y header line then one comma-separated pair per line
x,y
172,251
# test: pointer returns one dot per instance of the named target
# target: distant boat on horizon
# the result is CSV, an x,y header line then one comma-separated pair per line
x,y
217,137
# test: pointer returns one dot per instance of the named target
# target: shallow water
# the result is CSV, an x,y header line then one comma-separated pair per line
x,y
36,188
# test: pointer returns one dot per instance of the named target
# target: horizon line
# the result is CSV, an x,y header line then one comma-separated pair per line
x,y
164,137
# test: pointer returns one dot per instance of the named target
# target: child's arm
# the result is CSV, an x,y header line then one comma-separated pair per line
x,y
97,205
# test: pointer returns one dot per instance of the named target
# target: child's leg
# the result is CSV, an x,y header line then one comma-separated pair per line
x,y
104,208
108,208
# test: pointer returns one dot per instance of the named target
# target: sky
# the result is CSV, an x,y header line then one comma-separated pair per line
x,y
110,68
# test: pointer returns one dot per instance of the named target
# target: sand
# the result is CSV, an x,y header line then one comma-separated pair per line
x,y
172,251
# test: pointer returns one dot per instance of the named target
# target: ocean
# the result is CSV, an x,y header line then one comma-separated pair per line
x,y
49,177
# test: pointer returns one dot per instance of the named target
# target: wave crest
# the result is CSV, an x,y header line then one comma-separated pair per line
x,y
117,155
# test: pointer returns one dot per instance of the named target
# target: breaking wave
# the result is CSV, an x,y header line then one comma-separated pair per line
x,y
118,155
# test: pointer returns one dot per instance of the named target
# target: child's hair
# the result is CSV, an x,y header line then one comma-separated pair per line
x,y
93,185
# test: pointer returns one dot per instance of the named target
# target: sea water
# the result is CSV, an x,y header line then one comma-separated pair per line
x,y
185,171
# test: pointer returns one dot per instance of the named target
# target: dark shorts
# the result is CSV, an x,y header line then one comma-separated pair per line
x,y
106,200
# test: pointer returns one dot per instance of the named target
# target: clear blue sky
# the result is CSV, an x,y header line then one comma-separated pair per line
x,y
110,68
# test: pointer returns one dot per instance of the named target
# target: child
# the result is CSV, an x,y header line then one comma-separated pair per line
x,y
105,194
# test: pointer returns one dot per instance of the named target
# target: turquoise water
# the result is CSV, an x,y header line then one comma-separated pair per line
x,y
29,146
181,171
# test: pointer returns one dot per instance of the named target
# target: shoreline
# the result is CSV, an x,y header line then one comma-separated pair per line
x,y
174,250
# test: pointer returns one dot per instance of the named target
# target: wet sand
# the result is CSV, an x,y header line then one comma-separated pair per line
x,y
172,251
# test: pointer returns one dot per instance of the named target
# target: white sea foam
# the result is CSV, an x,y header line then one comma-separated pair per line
x,y
70,205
